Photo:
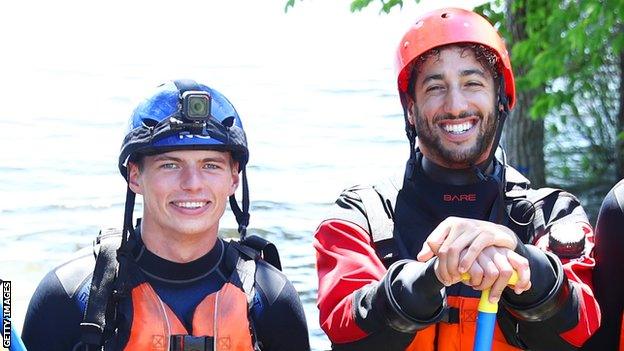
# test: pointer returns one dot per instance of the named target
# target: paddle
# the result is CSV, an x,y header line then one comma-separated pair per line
x,y
486,319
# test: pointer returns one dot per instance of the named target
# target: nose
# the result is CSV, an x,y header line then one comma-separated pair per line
x,y
191,179
455,102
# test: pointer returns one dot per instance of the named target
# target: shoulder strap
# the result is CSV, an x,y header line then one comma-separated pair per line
x,y
618,191
240,260
99,305
539,222
380,216
268,250
380,221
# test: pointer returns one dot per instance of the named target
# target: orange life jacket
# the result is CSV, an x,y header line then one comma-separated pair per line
x,y
221,315
457,336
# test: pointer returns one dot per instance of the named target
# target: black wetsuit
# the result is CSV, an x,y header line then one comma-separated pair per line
x,y
608,277
57,306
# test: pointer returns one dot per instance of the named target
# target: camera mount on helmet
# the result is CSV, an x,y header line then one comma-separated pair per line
x,y
194,109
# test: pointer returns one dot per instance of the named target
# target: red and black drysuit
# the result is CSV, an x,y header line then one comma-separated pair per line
x,y
373,294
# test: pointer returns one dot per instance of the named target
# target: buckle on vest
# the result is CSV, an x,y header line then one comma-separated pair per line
x,y
191,343
451,316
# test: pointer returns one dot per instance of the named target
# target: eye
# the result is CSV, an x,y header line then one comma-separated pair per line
x,y
434,88
474,83
169,165
212,166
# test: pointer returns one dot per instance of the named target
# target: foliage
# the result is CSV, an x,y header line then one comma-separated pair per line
x,y
582,136
566,42
572,52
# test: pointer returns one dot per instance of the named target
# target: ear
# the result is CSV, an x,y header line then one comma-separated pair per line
x,y
134,178
235,176
411,111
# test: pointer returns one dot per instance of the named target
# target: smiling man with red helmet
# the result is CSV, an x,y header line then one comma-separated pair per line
x,y
390,259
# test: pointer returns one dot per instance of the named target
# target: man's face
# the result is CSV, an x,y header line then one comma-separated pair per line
x,y
184,192
453,108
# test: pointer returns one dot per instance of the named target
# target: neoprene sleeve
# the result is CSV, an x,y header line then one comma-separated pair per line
x,y
415,291
546,279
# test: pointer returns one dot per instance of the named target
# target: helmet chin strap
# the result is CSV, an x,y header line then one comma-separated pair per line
x,y
410,130
498,208
242,215
125,249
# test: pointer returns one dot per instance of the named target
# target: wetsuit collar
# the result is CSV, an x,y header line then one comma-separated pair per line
x,y
451,176
159,268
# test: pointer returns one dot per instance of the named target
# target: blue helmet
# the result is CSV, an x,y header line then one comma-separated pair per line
x,y
183,114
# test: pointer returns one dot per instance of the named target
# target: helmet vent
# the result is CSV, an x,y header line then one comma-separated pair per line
x,y
149,122
445,15
228,122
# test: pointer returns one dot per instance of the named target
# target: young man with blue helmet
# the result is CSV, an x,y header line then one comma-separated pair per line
x,y
172,283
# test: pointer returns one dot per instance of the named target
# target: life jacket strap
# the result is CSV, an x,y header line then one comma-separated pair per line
x,y
191,343
100,306
268,250
618,191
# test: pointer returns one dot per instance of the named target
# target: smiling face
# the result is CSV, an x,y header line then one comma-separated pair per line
x,y
184,192
452,108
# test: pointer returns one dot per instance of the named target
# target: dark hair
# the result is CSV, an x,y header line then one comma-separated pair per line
x,y
484,55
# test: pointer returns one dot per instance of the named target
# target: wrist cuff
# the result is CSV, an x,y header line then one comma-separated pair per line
x,y
548,306
396,317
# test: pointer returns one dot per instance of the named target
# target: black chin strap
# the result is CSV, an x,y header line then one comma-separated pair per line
x,y
410,131
109,283
242,215
125,249
498,208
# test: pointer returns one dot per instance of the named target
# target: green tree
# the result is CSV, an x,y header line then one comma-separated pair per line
x,y
568,57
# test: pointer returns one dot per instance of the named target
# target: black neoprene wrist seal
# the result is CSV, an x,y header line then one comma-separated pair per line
x,y
421,288
547,306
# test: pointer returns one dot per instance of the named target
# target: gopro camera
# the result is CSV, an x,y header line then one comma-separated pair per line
x,y
196,105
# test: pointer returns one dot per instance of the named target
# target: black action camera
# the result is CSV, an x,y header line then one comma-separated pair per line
x,y
196,105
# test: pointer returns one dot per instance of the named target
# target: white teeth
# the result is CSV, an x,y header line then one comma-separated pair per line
x,y
189,204
458,128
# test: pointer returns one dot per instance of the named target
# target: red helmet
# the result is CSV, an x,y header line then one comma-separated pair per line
x,y
451,26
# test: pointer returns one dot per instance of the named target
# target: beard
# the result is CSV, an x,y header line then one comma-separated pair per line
x,y
429,135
